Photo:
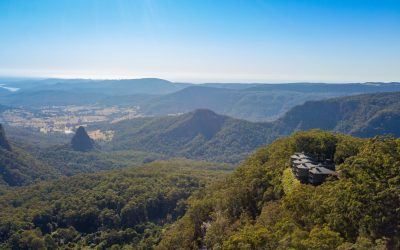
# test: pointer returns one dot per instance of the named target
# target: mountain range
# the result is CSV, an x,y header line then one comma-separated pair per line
x,y
201,135
204,134
263,102
158,97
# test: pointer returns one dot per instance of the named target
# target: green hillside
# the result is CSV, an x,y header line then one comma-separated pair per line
x,y
34,158
361,115
126,207
201,134
18,168
69,162
55,152
260,207
249,104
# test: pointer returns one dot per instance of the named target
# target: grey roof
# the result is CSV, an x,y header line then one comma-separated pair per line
x,y
310,165
302,166
302,161
321,170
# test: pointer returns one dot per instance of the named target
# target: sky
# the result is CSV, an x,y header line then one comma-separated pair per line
x,y
202,40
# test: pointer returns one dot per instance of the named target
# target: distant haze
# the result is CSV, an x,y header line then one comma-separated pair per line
x,y
202,40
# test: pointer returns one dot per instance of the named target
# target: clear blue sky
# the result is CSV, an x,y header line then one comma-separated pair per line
x,y
202,40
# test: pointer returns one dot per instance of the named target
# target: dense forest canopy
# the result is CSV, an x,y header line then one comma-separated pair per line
x,y
262,206
18,168
35,157
201,135
69,162
127,207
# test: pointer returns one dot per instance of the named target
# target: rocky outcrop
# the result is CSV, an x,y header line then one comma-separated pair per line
x,y
81,141
3,140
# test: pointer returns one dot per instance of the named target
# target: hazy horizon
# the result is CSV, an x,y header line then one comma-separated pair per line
x,y
38,78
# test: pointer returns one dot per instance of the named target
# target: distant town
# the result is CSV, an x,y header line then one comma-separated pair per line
x,y
65,119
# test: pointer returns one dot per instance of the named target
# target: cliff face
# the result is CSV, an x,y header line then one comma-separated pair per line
x,y
81,140
3,140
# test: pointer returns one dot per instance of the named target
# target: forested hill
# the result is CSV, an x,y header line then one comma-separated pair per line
x,y
262,206
201,134
249,104
361,115
255,102
17,167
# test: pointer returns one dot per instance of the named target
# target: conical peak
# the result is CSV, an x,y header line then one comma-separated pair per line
x,y
3,140
81,140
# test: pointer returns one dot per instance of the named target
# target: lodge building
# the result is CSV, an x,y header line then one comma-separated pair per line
x,y
308,170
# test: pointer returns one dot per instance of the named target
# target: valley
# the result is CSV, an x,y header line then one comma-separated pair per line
x,y
65,119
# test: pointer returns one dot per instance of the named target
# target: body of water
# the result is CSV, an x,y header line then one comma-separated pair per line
x,y
9,88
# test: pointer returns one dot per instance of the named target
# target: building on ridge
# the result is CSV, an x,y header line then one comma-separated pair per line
x,y
306,169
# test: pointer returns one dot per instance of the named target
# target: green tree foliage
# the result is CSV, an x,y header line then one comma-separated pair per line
x,y
29,239
103,210
19,168
259,207
69,162
320,145
200,135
